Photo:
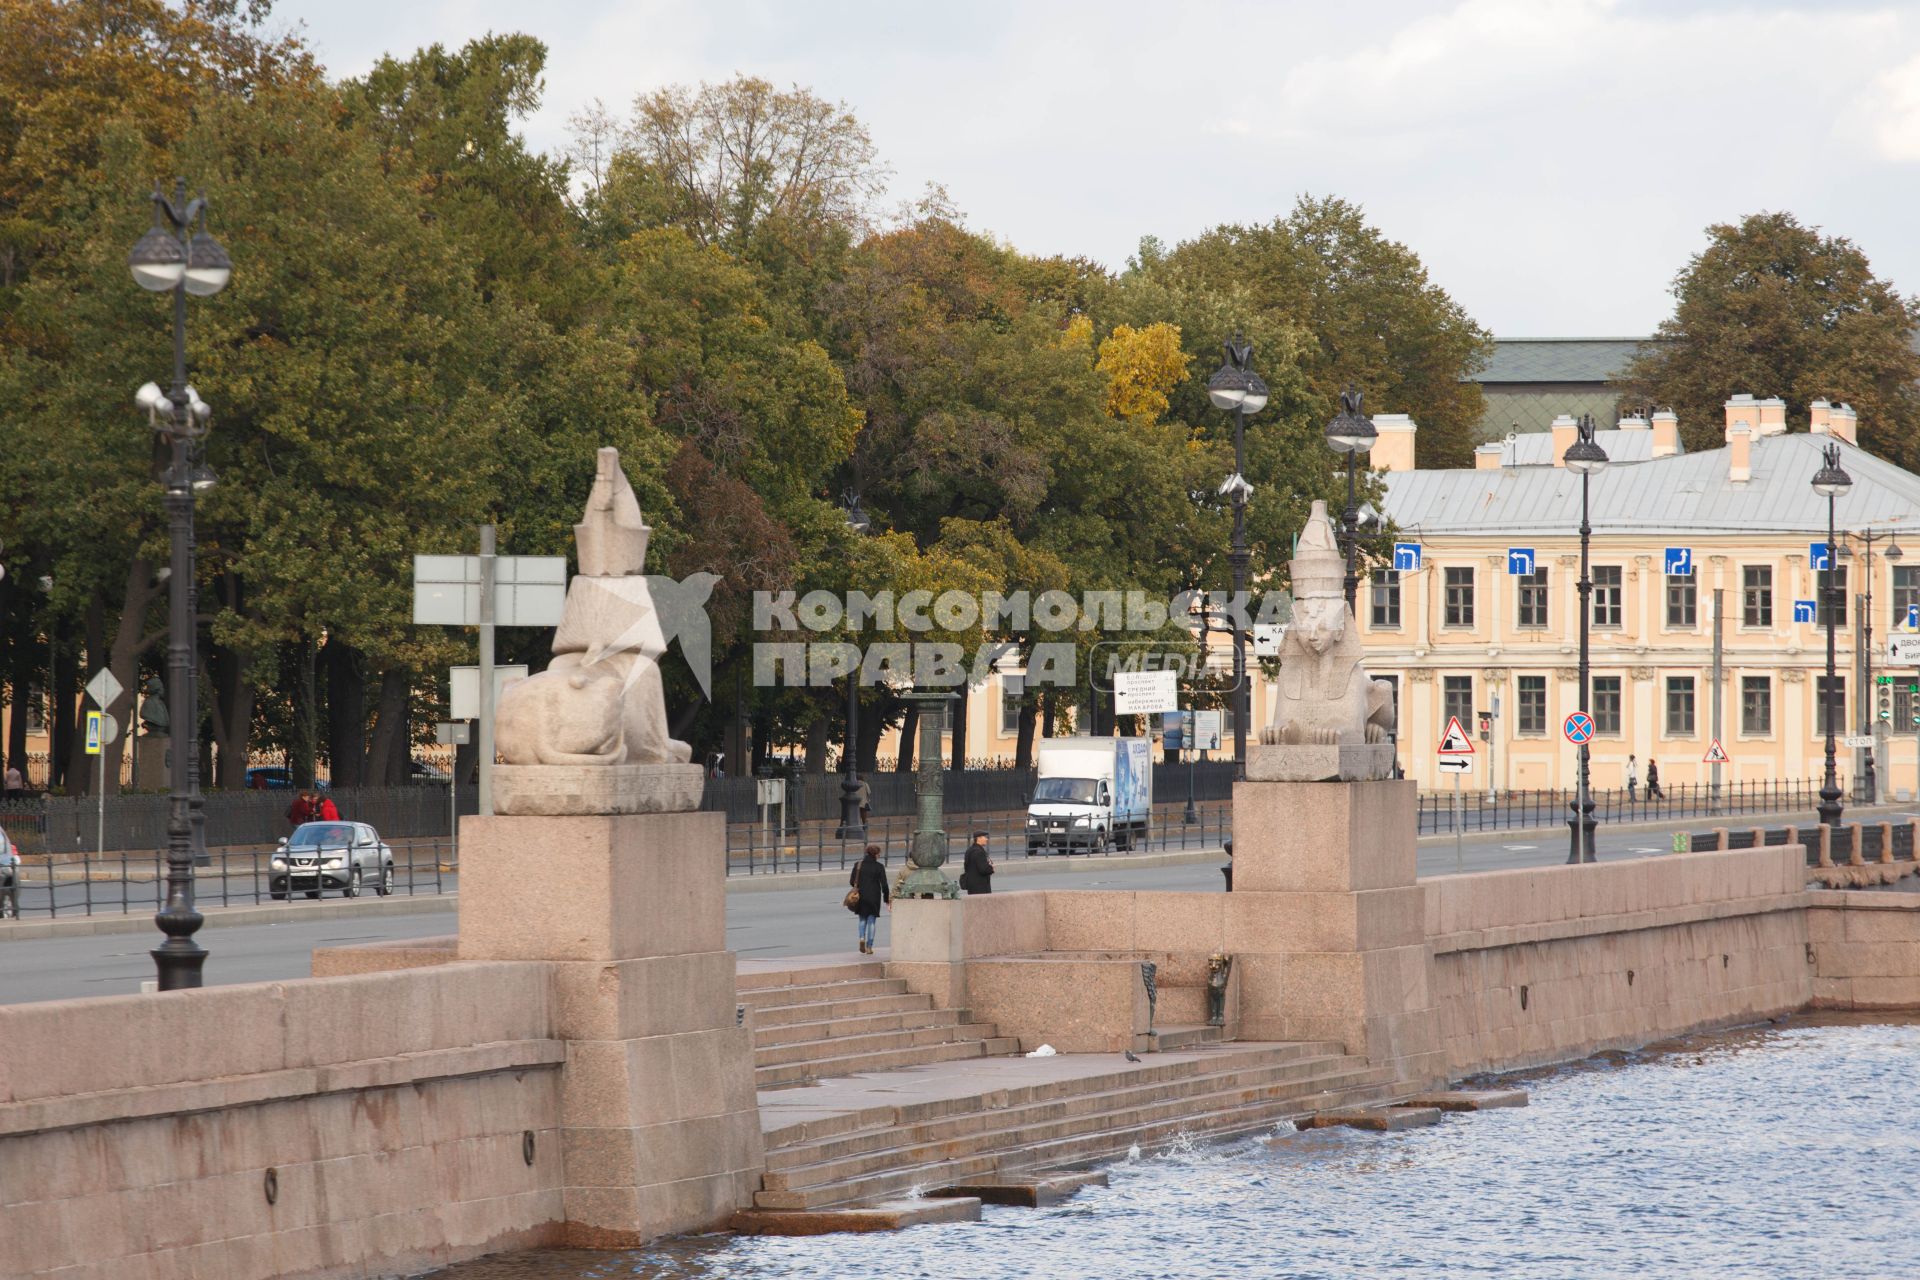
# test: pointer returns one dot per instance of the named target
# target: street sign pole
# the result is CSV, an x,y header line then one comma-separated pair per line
x,y
486,669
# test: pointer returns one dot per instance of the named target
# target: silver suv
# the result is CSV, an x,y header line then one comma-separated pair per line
x,y
348,856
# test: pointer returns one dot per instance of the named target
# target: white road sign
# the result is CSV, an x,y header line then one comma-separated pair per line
x,y
528,591
1267,637
464,704
1455,742
1857,741
103,689
1456,764
1145,692
1904,651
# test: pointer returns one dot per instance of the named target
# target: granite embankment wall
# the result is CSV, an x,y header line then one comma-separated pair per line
x,y
1524,967
1539,966
280,1129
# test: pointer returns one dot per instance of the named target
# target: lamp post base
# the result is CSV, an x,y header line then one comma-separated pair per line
x,y
851,826
1580,846
178,966
1829,808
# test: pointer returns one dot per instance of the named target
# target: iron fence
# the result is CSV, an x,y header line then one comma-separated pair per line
x,y
756,850
815,797
124,883
1442,812
138,821
1875,841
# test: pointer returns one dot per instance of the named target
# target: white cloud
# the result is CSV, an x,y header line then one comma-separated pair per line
x,y
1893,106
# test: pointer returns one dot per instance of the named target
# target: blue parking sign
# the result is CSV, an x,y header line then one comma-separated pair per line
x,y
1520,560
1803,611
1817,556
1406,556
1680,562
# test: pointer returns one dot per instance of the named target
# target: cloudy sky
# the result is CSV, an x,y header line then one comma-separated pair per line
x,y
1552,161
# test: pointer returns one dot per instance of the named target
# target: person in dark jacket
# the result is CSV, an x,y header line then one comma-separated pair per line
x,y
869,878
976,875
1653,782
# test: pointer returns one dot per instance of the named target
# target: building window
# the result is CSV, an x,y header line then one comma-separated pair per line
x,y
36,709
1012,686
1682,600
1679,706
1606,705
1460,598
1905,708
1756,595
1756,706
1906,591
1457,699
1832,591
1532,710
1836,693
1606,595
1386,598
1533,598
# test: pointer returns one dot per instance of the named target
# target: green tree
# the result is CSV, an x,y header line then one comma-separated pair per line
x,y
1775,308
1371,315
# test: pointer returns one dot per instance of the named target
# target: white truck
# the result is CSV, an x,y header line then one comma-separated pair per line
x,y
1091,794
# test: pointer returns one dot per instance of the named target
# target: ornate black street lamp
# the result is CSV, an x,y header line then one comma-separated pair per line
x,y
1236,388
174,257
852,825
1584,458
1351,434
1830,482
1869,787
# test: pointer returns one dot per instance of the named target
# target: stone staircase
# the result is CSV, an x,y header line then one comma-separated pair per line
x,y
816,1023
850,1142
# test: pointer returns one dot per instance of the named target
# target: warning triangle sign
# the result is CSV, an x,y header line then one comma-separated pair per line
x,y
1455,741
1716,754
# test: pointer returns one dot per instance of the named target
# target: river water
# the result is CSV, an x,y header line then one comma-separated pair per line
x,y
1788,1151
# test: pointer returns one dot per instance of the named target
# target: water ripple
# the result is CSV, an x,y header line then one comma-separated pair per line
x,y
1775,1153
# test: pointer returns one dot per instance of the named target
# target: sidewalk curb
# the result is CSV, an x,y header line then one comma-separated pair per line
x,y
771,881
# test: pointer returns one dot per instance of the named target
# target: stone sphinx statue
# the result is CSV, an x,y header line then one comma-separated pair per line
x,y
1324,697
589,734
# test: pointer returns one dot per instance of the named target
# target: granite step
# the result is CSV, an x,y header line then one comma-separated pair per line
x,y
1151,1070
1102,1135
766,1037
875,1042
1040,1112
789,1074
751,976
1164,1039
780,1015
1046,1123
814,993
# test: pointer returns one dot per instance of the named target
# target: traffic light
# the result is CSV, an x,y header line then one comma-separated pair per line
x,y
1883,695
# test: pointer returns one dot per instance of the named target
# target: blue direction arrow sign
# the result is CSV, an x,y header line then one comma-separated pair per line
x,y
1406,556
1803,611
1817,555
1680,562
1913,616
1519,561
1578,728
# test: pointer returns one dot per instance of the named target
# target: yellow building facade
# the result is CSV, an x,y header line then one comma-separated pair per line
x,y
1484,609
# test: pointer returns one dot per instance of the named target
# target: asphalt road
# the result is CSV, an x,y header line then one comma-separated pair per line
x,y
806,920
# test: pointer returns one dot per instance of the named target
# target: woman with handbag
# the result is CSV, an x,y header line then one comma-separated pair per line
x,y
867,894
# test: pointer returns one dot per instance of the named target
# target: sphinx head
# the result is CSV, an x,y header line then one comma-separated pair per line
x,y
1320,622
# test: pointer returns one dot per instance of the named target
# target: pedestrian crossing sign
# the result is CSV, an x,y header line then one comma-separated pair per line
x,y
1716,754
1455,741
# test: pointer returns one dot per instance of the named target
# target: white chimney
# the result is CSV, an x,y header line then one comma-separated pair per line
x,y
1844,423
1487,456
1739,453
1817,416
1773,417
1666,433
1393,442
1565,432
1742,408
1632,422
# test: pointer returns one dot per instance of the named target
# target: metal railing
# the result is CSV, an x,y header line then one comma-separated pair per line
x,y
124,883
815,797
1438,812
756,850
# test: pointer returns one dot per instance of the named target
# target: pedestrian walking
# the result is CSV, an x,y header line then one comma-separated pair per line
x,y
326,810
1633,779
1653,781
864,794
15,782
976,875
868,894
